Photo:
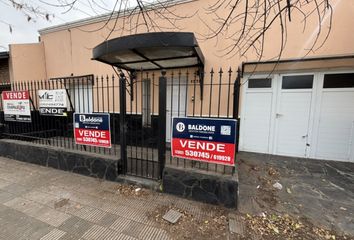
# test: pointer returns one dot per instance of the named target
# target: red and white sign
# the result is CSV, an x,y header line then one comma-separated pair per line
x,y
220,153
92,129
16,105
204,139
92,137
15,95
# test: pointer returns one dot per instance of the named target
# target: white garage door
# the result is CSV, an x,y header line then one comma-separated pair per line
x,y
300,116
293,115
293,130
335,138
256,120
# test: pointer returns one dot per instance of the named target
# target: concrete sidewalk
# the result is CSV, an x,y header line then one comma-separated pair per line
x,y
43,203
316,202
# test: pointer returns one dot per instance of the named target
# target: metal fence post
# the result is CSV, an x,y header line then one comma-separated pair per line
x,y
122,124
237,86
162,121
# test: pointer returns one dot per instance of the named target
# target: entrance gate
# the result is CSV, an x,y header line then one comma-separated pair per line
x,y
142,126
147,105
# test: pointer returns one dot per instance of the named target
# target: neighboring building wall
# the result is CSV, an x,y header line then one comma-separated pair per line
x,y
27,62
4,71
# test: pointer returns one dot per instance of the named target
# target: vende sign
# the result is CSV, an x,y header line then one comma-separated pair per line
x,y
204,139
16,106
92,129
52,102
15,95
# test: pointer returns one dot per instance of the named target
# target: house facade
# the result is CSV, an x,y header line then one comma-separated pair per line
x,y
299,105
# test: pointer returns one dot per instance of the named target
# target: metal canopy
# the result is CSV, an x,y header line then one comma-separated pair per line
x,y
151,51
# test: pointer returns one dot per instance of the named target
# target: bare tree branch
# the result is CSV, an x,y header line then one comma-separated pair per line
x,y
243,24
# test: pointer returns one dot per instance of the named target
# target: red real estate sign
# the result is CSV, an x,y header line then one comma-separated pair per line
x,y
92,129
204,139
16,105
15,95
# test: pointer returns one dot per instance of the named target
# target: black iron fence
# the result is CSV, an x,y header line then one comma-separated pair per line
x,y
140,134
212,95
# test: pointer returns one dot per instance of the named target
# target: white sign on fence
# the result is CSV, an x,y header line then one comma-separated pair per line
x,y
53,102
16,106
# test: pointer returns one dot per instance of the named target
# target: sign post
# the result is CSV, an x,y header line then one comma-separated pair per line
x,y
16,105
92,129
52,102
204,139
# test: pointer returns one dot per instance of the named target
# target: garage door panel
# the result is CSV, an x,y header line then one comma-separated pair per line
x,y
335,134
257,121
292,122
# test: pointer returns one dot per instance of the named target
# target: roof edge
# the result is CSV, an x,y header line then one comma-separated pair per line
x,y
317,58
107,16
4,55
296,60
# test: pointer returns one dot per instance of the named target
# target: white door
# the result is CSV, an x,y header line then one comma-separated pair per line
x,y
335,138
256,115
81,97
336,126
256,121
293,116
175,102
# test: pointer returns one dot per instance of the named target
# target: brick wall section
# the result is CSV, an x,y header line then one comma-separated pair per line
x,y
4,71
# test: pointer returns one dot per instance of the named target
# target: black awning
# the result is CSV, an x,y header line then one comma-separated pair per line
x,y
151,51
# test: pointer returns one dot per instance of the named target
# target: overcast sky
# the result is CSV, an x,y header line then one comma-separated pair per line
x,y
27,32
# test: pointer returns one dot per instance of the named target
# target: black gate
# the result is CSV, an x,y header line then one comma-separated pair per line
x,y
143,125
148,103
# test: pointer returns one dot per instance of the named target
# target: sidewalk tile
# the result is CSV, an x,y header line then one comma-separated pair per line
x,y
152,233
53,217
75,226
120,224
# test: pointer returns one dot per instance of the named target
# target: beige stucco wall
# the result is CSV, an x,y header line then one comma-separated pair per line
x,y
68,52
27,62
